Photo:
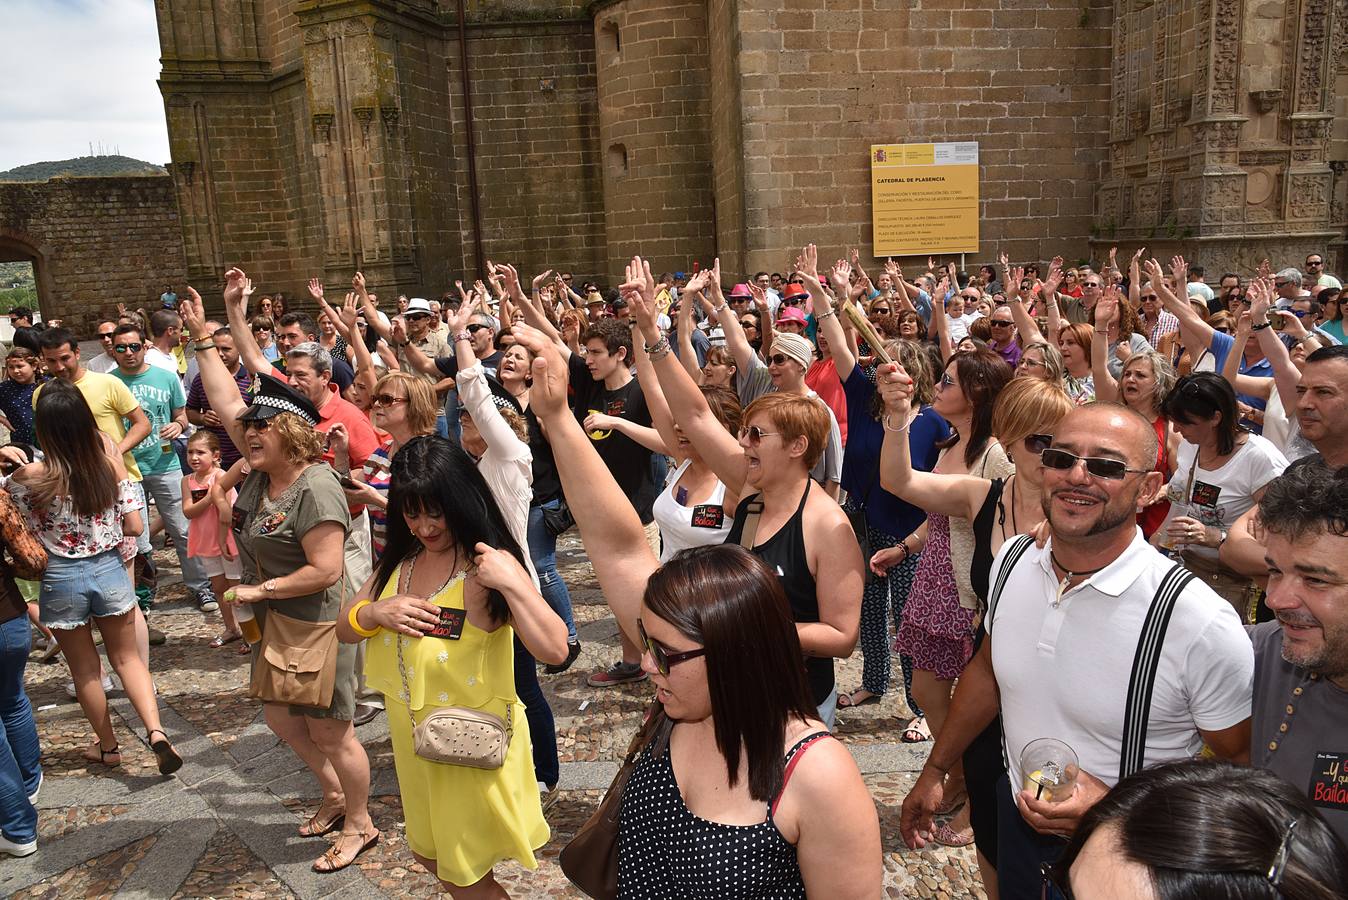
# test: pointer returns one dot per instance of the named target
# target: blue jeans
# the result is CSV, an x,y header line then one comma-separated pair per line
x,y
543,553
167,491
441,425
20,767
542,728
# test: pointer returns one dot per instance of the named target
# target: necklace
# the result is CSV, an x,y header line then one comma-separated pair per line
x,y
412,567
1068,576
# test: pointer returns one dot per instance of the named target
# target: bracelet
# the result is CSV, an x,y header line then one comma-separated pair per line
x,y
717,309
885,423
903,545
204,344
659,351
819,317
462,336
1260,327
353,618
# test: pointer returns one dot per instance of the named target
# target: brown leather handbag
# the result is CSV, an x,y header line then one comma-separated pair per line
x,y
297,662
590,859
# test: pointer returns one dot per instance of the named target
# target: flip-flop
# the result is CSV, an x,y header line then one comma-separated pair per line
x,y
221,639
918,726
845,701
948,837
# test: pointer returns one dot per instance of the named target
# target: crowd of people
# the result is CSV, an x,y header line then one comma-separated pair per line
x,y
1101,505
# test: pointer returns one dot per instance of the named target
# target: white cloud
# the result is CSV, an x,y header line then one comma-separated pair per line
x,y
80,71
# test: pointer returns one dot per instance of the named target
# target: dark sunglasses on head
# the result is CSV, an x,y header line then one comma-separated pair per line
x,y
1097,466
386,400
1038,443
127,348
755,434
664,660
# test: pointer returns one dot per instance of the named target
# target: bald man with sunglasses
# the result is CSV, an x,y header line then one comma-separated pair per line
x,y
1068,628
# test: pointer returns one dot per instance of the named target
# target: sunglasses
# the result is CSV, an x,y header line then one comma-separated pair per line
x,y
1090,284
1281,283
748,323
998,323
476,327
779,359
880,311
664,660
258,329
1038,443
1145,297
1096,466
1313,262
127,348
387,400
256,424
755,434
946,381
106,335
1223,330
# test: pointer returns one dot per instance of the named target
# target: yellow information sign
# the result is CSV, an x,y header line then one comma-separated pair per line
x,y
924,198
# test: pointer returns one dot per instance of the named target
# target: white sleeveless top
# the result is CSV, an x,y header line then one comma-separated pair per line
x,y
682,527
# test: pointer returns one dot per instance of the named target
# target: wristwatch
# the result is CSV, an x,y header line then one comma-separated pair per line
x,y
269,586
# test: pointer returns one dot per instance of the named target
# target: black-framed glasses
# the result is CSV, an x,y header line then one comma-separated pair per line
x,y
1096,466
127,348
258,329
779,359
755,434
387,400
998,323
664,660
476,327
1314,262
1038,443
880,311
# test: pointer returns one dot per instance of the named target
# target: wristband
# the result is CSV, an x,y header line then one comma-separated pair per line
x,y
1260,327
204,344
353,619
462,336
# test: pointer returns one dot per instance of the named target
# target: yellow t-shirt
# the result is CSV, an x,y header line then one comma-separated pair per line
x,y
109,400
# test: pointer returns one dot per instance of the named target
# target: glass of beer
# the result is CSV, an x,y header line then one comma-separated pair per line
x,y
1049,769
243,614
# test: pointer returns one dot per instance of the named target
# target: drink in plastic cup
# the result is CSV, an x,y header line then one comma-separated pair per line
x,y
1049,768
243,614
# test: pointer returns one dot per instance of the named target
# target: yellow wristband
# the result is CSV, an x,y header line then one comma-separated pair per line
x,y
351,617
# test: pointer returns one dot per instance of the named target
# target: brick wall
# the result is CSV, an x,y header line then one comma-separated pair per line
x,y
822,80
654,89
97,242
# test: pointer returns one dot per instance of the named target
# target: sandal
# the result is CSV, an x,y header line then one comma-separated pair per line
x,y
333,861
103,755
169,760
917,731
953,805
315,828
948,837
245,649
848,701
226,638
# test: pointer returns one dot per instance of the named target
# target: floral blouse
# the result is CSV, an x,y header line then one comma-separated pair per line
x,y
65,533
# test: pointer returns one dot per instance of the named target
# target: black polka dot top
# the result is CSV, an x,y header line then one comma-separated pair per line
x,y
665,852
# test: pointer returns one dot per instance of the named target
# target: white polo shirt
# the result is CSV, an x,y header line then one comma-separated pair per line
x,y
1063,669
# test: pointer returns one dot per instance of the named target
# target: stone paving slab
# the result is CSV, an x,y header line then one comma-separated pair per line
x,y
226,825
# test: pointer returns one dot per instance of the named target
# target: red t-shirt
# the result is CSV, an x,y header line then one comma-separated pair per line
x,y
360,434
822,378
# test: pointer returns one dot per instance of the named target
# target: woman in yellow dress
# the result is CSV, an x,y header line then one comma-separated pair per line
x,y
450,592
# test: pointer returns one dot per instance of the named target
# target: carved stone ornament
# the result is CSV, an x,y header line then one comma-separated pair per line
x,y
316,34
390,116
187,168
1267,100
1308,196
322,123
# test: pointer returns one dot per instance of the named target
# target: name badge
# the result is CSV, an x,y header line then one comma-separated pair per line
x,y
1205,494
450,626
1329,781
709,516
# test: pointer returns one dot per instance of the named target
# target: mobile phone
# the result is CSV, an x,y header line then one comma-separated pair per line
x,y
346,482
1276,320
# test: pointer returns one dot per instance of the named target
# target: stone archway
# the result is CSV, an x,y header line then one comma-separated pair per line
x,y
17,246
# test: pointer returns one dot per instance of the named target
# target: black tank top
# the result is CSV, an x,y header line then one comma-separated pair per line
x,y
665,851
990,513
784,553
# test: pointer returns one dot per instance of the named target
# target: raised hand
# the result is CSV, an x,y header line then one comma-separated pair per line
x,y
893,271
1013,279
1260,295
316,289
1265,268
695,284
808,261
458,319
539,279
1154,271
547,393
714,284
237,289
1004,260
1107,308
358,284
1179,271
840,276
639,290
398,326
760,298
194,314
1137,254
895,387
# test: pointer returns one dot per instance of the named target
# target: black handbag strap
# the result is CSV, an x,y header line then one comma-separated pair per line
x,y
1146,661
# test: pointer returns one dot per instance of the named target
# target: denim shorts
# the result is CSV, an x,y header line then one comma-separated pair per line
x,y
73,590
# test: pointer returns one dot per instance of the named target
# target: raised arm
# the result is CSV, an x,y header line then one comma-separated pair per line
x,y
1026,327
1286,377
237,292
718,447
613,535
844,360
1135,278
951,495
345,323
511,279
1196,334
1106,309
221,389
683,328
372,317
942,321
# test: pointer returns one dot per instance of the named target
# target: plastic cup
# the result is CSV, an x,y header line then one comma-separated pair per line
x,y
1049,769
244,616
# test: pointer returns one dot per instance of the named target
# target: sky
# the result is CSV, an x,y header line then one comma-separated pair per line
x,y
80,71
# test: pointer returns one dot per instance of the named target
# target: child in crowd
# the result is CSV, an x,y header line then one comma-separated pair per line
x,y
208,504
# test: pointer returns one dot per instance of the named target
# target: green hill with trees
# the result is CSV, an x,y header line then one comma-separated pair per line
x,y
82,166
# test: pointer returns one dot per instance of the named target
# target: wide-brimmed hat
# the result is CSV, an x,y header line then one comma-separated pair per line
x,y
272,396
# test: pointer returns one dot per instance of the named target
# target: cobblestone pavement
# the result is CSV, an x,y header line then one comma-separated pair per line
x,y
225,826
